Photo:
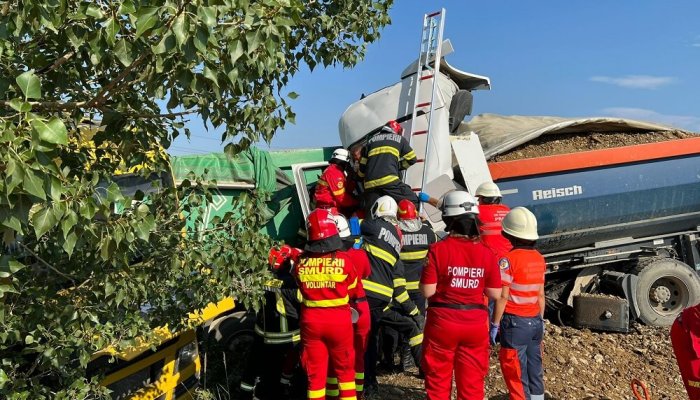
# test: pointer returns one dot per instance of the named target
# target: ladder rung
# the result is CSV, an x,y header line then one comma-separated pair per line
x,y
416,189
426,77
423,104
420,132
434,14
420,160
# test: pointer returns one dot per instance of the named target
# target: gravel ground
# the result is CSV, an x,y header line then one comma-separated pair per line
x,y
547,145
581,364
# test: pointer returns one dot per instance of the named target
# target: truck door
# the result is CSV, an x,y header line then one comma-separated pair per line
x,y
305,178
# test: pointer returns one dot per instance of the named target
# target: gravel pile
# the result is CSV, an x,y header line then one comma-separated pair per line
x,y
547,145
581,364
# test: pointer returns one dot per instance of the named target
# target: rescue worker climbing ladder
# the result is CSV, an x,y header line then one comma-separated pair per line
x,y
520,310
327,280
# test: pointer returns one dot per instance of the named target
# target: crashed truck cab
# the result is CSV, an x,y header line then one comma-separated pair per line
x,y
624,222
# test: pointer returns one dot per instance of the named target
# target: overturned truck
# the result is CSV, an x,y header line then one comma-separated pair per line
x,y
619,225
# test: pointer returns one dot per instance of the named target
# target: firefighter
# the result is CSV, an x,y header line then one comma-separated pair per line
x,y
382,241
519,313
491,213
327,280
385,155
361,327
334,189
459,273
417,236
277,331
685,338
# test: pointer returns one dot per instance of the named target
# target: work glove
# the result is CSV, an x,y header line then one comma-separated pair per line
x,y
419,320
493,332
423,197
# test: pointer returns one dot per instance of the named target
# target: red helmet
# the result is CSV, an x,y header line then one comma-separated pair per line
x,y
321,225
407,210
393,127
278,256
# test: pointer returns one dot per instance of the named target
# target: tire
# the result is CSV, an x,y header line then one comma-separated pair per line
x,y
664,288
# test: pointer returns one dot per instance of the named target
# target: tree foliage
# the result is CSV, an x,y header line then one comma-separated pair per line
x,y
88,88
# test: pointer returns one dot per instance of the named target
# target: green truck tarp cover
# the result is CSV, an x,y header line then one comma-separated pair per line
x,y
252,169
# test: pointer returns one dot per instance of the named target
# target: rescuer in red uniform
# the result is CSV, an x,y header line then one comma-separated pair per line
x,y
491,214
459,272
519,313
362,325
334,189
385,155
685,338
327,280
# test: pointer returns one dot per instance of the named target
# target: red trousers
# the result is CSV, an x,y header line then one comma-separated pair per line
x,y
686,345
360,338
327,334
455,341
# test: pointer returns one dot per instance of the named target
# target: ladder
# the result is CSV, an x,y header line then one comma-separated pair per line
x,y
430,51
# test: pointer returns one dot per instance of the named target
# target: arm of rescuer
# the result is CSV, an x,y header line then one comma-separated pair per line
x,y
362,169
407,156
351,271
541,302
400,293
501,301
429,276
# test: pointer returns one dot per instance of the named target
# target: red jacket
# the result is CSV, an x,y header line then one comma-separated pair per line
x,y
326,280
334,189
491,216
362,267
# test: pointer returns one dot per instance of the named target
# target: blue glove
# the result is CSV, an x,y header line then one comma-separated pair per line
x,y
423,197
493,332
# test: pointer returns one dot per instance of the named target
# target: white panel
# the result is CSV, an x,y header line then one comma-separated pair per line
x,y
471,160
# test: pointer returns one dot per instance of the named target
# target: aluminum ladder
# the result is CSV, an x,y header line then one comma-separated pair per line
x,y
430,52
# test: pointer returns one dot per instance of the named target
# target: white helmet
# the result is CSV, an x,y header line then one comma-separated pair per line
x,y
341,155
459,202
488,189
385,207
342,223
520,223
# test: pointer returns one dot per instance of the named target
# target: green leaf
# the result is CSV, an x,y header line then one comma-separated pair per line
x,y
293,95
253,40
29,339
33,184
30,85
94,11
123,52
236,52
114,193
56,190
43,221
208,15
180,30
68,222
53,131
111,30
127,7
211,75
19,105
69,243
146,19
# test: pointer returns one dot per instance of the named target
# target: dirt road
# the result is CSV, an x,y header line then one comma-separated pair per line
x,y
580,364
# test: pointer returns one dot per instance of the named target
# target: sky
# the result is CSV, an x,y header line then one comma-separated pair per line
x,y
633,59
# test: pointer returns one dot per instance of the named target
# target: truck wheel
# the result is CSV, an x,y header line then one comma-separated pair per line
x,y
664,288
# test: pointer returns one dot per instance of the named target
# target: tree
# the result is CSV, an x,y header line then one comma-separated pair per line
x,y
91,87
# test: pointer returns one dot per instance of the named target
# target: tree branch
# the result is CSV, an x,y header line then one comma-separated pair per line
x,y
59,61
51,267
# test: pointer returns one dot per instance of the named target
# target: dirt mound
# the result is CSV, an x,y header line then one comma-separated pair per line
x,y
547,145
580,364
